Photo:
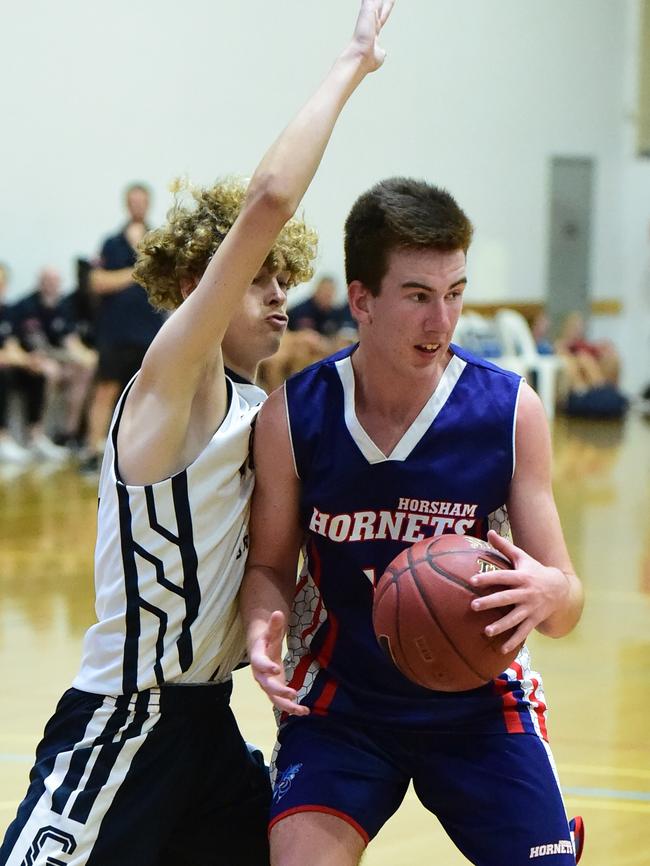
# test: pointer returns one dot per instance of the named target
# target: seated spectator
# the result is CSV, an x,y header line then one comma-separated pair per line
x,y
65,365
320,312
598,359
592,372
298,350
12,358
25,376
541,329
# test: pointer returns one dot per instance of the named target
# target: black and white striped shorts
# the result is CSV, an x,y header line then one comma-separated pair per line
x,y
155,778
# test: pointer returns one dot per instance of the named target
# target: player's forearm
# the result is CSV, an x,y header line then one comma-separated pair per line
x,y
274,193
566,617
291,162
104,282
263,591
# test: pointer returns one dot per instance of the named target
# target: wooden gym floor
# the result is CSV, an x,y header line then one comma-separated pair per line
x,y
597,679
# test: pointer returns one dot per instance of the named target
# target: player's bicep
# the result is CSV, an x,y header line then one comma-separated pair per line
x,y
532,511
275,530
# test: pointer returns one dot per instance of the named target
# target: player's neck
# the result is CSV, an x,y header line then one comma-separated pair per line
x,y
387,405
242,372
391,392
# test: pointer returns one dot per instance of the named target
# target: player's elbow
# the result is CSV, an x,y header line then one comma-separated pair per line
x,y
269,192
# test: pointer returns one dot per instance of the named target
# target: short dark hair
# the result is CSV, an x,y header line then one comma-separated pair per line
x,y
400,213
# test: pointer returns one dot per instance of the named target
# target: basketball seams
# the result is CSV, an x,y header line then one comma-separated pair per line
x,y
443,632
397,573
462,655
452,578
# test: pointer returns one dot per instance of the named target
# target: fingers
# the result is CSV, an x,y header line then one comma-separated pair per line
x,y
502,598
384,12
280,694
276,628
518,638
503,545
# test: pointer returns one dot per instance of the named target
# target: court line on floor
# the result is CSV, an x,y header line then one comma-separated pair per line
x,y
607,793
597,770
577,804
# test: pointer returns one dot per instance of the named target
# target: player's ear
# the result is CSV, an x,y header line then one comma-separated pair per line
x,y
359,297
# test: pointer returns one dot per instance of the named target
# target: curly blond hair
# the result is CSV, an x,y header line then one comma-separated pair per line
x,y
182,248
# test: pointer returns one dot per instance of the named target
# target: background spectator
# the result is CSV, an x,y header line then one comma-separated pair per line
x,y
45,326
26,374
592,371
12,358
125,322
320,312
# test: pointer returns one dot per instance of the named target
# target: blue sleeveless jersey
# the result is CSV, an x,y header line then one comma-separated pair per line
x,y
450,472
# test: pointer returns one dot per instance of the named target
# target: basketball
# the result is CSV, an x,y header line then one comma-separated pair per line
x,y
423,619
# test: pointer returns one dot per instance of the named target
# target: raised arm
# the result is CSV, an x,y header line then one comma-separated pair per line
x,y
269,583
185,358
543,586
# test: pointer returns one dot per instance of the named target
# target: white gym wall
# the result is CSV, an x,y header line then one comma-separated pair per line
x,y
476,95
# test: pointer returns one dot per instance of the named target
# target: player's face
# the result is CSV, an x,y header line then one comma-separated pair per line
x,y
409,325
255,330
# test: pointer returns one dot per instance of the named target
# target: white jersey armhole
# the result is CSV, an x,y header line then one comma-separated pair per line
x,y
514,429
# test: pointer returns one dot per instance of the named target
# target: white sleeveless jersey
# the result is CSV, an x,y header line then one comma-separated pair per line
x,y
169,561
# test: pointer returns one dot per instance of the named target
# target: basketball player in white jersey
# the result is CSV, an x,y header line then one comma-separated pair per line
x,y
143,762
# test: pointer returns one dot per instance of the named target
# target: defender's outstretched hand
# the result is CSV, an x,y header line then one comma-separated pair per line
x,y
266,661
372,17
534,591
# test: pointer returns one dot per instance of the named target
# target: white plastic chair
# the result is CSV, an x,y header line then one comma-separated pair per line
x,y
519,344
475,333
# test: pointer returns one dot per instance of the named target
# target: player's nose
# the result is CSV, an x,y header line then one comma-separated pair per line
x,y
437,317
276,293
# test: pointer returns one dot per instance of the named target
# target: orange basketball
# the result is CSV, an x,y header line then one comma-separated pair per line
x,y
423,619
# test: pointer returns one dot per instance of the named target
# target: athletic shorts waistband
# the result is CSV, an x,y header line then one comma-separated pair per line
x,y
169,698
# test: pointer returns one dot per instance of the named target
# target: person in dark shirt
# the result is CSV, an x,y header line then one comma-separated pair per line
x,y
12,358
125,322
26,370
62,366
321,313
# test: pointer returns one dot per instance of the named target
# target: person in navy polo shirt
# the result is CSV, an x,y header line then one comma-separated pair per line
x,y
125,323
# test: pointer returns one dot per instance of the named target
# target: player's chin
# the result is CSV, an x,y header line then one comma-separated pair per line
x,y
269,345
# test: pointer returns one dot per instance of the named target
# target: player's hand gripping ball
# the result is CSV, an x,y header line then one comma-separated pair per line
x,y
423,619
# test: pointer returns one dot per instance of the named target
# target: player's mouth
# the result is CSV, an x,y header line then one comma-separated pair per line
x,y
427,348
278,321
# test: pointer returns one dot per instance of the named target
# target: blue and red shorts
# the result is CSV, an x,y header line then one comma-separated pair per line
x,y
496,795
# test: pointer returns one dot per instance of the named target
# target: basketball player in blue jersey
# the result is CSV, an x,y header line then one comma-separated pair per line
x,y
401,437
143,762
